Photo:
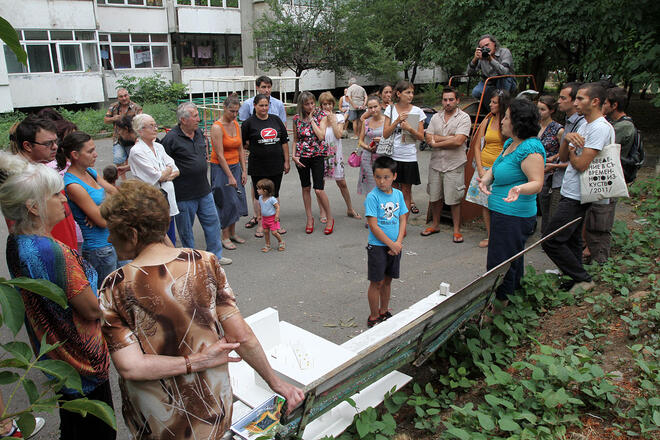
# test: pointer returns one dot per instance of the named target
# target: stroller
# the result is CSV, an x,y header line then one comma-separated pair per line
x,y
429,112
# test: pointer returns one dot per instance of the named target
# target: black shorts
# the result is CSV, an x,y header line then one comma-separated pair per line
x,y
277,180
314,165
407,172
380,263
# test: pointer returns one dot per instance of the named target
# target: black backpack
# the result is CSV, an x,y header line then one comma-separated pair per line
x,y
634,159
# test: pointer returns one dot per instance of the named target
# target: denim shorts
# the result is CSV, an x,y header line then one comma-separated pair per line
x,y
119,153
103,259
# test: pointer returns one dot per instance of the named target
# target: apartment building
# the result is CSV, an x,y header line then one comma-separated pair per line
x,y
78,49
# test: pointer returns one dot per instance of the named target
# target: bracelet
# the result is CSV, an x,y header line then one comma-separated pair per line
x,y
188,364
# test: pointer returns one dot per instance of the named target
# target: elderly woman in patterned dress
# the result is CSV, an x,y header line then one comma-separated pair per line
x,y
170,321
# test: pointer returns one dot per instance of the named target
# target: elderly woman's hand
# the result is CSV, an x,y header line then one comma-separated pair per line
x,y
293,395
214,355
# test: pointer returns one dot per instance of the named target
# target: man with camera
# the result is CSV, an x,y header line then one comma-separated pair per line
x,y
491,60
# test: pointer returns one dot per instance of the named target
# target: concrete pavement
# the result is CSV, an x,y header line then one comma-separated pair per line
x,y
319,283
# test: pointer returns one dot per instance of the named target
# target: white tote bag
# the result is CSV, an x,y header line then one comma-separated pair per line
x,y
604,177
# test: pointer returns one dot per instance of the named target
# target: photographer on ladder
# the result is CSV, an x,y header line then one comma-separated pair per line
x,y
491,60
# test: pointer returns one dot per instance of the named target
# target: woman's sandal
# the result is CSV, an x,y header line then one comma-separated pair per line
x,y
252,223
265,249
483,243
227,244
385,316
237,239
281,246
353,214
414,209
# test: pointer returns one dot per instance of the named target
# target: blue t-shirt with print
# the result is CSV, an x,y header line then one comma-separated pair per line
x,y
387,208
267,206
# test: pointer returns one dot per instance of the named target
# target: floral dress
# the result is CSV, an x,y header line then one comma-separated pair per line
x,y
334,161
308,144
366,181
549,138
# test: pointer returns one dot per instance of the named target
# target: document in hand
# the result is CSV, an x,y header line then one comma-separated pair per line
x,y
413,121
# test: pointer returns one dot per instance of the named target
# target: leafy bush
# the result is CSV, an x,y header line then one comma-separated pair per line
x,y
6,121
153,89
163,114
89,120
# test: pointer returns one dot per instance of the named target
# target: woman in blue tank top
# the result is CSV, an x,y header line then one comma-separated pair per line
x,y
514,180
85,191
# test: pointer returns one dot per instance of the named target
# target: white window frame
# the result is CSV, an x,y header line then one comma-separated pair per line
x,y
127,5
131,46
208,5
58,43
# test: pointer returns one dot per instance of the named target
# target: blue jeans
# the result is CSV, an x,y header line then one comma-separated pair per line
x,y
508,84
508,235
204,208
103,259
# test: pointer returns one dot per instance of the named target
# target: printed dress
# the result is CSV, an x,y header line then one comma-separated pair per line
x,y
308,144
334,162
366,180
172,309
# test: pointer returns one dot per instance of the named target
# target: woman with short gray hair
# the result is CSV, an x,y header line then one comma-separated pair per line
x,y
151,164
32,202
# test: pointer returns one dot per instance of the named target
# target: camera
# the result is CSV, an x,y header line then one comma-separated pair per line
x,y
485,52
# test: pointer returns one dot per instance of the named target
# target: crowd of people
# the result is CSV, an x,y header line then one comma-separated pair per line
x,y
167,316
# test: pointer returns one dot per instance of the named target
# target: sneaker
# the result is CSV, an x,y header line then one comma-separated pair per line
x,y
14,432
224,261
553,271
583,285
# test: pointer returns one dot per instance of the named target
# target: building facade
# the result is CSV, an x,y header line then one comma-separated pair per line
x,y
78,49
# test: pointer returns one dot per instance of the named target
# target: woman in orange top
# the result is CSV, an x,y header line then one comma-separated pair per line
x,y
228,172
487,146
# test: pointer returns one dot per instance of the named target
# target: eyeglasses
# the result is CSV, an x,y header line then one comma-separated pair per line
x,y
48,144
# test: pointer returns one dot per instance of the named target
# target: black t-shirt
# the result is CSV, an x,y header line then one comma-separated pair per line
x,y
266,138
189,155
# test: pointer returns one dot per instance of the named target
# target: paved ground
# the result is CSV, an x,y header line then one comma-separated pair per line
x,y
319,282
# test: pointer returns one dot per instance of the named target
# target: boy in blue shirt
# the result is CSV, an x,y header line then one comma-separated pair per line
x,y
386,216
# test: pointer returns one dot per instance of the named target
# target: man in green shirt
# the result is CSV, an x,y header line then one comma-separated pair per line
x,y
600,218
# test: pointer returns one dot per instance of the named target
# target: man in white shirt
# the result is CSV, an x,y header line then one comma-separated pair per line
x,y
565,248
357,99
275,106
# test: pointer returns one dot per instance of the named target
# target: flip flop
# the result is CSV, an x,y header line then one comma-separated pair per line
x,y
354,215
237,239
458,237
323,220
252,223
282,231
265,249
259,234
483,243
428,231
227,244
414,209
281,246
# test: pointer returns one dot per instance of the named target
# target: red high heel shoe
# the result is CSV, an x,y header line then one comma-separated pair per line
x,y
328,230
309,229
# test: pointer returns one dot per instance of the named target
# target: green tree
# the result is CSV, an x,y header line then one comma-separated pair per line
x,y
300,37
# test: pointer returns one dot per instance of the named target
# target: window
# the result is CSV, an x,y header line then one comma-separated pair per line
x,y
55,51
207,50
209,3
134,51
158,3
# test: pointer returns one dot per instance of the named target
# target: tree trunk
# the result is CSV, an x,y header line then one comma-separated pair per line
x,y
539,71
405,74
298,72
414,73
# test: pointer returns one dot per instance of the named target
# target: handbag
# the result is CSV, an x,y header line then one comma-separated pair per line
x,y
386,144
354,160
604,178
